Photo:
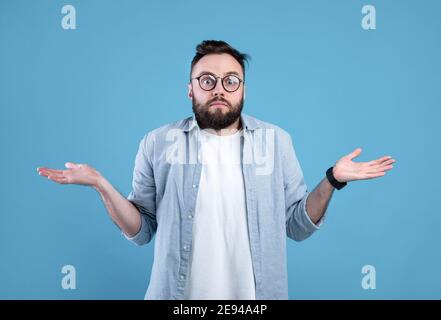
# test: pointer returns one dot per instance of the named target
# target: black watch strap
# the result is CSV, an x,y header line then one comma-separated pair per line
x,y
337,185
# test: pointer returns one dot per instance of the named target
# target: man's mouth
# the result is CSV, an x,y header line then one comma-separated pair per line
x,y
218,104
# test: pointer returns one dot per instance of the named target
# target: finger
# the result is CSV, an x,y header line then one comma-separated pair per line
x,y
374,175
44,173
72,165
53,172
39,169
379,169
354,154
387,161
50,172
387,168
386,164
379,161
54,176
62,180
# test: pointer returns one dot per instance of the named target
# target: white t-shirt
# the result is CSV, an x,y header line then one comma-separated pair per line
x,y
220,261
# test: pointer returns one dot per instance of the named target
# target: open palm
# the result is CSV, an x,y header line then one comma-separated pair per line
x,y
347,170
74,174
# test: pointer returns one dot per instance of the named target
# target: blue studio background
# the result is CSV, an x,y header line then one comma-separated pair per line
x,y
89,95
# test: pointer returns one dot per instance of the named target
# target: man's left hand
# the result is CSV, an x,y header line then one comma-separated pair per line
x,y
346,170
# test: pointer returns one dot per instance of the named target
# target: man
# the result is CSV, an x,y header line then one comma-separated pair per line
x,y
221,190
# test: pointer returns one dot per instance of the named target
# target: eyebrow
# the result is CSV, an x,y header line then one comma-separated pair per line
x,y
226,73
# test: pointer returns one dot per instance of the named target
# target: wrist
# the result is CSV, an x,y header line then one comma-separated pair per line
x,y
100,183
337,176
332,179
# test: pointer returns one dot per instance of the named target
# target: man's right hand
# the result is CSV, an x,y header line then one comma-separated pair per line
x,y
74,174
121,210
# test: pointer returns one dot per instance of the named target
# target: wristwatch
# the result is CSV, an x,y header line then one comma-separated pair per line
x,y
336,184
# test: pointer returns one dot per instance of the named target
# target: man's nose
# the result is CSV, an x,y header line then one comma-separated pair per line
x,y
218,90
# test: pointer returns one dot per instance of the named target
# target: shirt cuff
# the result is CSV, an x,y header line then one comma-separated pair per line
x,y
138,237
312,225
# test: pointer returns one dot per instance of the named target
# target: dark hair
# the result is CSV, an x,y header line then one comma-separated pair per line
x,y
218,47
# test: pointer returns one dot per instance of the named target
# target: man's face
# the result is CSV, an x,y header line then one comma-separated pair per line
x,y
217,108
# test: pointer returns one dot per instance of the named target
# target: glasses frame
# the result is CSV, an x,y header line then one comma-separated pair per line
x,y
241,81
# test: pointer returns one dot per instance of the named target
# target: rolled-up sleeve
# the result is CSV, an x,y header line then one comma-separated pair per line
x,y
143,192
299,225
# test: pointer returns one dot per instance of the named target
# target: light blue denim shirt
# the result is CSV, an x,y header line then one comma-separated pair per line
x,y
165,188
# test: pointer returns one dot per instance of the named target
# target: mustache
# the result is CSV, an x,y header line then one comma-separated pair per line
x,y
218,99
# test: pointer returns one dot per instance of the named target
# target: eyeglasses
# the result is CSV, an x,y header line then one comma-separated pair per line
x,y
208,82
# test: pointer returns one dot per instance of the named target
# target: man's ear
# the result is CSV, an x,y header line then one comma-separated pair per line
x,y
190,92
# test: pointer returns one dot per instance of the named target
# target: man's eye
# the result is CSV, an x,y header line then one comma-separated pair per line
x,y
207,81
231,81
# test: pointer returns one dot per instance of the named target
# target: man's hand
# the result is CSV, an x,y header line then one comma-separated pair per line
x,y
122,211
75,174
346,170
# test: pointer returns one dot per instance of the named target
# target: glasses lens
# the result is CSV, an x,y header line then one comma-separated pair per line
x,y
207,82
231,83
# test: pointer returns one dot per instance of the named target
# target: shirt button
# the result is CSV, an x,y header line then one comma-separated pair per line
x,y
195,186
185,248
190,216
182,277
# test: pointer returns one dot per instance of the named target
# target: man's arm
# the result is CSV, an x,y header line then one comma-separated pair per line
x,y
345,170
122,211
318,200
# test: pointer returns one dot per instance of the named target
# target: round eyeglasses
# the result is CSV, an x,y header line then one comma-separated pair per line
x,y
208,82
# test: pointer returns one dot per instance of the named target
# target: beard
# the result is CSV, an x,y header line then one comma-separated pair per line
x,y
216,119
